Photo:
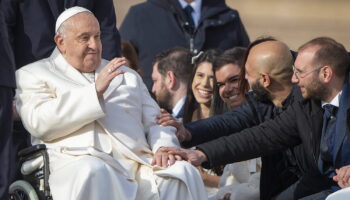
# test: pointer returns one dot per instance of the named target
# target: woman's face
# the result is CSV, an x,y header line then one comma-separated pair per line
x,y
202,84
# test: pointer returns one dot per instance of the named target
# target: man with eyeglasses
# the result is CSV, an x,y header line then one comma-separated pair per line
x,y
320,122
268,70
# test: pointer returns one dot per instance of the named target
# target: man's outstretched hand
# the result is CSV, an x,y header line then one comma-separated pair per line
x,y
166,119
195,157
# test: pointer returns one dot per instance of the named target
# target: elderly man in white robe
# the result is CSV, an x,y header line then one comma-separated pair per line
x,y
98,122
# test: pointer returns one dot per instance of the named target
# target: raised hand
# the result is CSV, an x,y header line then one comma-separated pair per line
x,y
107,74
166,119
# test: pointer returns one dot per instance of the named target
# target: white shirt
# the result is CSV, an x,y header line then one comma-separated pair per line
x,y
334,102
178,106
196,5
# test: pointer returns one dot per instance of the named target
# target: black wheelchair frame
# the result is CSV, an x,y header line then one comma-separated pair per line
x,y
34,186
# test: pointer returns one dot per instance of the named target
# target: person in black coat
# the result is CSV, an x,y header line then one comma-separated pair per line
x,y
269,67
321,71
7,86
156,25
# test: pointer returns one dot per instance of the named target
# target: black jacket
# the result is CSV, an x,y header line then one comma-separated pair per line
x,y
7,69
156,25
301,123
279,170
31,26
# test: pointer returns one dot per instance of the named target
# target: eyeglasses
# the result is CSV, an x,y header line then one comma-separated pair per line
x,y
231,80
302,74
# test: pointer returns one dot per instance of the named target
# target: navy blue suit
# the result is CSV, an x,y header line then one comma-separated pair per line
x,y
7,86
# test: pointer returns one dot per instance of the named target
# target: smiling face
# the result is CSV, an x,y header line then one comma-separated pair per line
x,y
202,84
227,78
80,44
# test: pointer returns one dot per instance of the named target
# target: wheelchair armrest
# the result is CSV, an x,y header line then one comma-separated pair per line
x,y
31,150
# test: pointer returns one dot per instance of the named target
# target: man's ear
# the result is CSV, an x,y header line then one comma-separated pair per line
x,y
326,73
170,79
59,40
265,80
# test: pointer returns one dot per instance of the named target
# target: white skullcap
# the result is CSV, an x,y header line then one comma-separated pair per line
x,y
68,13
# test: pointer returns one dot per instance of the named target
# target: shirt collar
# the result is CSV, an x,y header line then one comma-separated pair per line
x,y
196,5
178,106
334,102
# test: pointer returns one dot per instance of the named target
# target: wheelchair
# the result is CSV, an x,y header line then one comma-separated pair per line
x,y
34,163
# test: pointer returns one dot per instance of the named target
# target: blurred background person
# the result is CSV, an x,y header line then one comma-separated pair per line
x,y
7,86
132,61
195,24
171,74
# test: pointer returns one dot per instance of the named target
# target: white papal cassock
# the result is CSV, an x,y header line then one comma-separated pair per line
x,y
100,149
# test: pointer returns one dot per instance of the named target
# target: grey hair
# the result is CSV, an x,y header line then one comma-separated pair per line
x,y
63,29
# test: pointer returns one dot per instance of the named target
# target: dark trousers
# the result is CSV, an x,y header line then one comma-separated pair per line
x,y
7,155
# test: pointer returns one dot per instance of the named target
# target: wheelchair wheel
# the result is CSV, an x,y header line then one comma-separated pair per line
x,y
22,190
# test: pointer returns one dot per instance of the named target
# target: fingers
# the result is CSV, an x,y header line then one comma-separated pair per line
x,y
107,74
114,64
171,159
177,157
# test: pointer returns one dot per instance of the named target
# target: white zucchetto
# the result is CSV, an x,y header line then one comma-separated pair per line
x,y
68,13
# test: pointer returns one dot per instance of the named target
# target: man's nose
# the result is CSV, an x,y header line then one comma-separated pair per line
x,y
93,43
295,79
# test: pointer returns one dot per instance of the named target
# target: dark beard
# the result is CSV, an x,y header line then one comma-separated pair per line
x,y
164,101
317,90
260,93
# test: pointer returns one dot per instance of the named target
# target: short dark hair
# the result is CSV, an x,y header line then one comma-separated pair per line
x,y
244,86
330,53
230,56
177,60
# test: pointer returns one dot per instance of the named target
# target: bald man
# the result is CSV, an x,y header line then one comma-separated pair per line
x,y
268,69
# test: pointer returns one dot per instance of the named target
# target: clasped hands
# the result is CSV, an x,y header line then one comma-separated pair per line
x,y
343,176
168,155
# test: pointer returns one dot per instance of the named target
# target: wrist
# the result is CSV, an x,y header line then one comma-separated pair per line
x,y
202,156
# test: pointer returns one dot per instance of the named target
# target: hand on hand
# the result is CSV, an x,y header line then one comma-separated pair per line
x,y
107,74
343,176
163,158
195,157
166,119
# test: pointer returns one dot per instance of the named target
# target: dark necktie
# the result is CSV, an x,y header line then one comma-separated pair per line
x,y
327,139
188,11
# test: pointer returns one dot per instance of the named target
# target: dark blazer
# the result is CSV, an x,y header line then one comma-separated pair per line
x,y
279,170
31,26
7,69
156,25
7,86
301,123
